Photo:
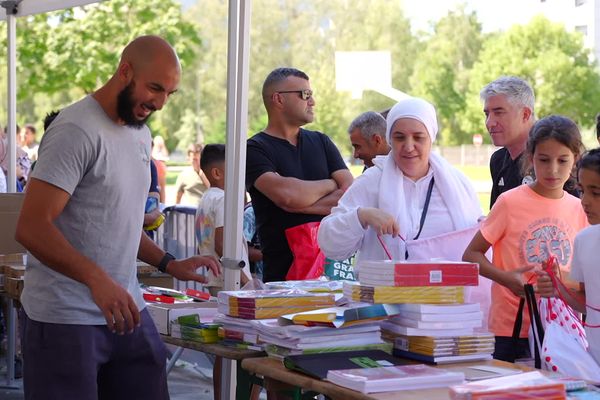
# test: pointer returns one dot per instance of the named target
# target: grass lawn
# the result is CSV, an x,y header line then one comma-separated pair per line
x,y
475,172
171,177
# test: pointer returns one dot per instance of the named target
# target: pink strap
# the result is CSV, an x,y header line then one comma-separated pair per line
x,y
387,252
556,283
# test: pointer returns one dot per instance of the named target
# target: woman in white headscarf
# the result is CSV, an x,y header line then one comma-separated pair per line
x,y
412,204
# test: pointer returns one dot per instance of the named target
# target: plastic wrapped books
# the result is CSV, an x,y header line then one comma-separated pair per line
x,y
528,385
338,317
394,295
418,273
400,377
257,304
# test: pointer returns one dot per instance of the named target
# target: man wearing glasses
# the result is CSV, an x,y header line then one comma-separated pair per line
x,y
293,175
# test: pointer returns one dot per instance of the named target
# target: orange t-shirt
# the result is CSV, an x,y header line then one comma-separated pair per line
x,y
525,228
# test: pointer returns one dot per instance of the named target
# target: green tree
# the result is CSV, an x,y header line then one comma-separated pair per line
x,y
552,60
442,71
64,54
304,34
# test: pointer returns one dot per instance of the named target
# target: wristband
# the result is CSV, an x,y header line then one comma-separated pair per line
x,y
167,258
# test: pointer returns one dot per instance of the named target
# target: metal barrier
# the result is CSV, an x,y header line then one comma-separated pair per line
x,y
177,236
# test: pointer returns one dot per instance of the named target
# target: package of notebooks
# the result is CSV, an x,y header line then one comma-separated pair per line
x,y
315,285
418,273
359,292
528,385
189,327
258,304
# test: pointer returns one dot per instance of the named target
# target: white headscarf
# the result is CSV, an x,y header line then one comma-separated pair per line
x,y
413,108
455,189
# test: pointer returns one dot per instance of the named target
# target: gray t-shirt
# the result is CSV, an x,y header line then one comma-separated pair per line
x,y
105,168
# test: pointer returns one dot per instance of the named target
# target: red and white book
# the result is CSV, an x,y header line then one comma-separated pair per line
x,y
418,273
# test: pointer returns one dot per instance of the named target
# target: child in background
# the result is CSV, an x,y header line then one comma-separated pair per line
x,y
527,225
210,214
584,268
209,230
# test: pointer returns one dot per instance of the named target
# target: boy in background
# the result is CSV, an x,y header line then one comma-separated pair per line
x,y
209,231
210,214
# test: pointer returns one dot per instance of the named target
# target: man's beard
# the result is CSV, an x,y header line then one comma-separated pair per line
x,y
125,105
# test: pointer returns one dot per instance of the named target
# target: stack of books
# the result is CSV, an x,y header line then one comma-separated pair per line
x,y
399,377
263,304
239,333
528,385
418,273
359,292
437,333
334,329
314,285
298,339
343,316
189,327
391,281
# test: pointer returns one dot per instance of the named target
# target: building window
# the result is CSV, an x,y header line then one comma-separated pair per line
x,y
582,29
580,2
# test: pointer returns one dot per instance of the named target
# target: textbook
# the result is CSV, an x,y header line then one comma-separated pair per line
x,y
440,308
308,285
338,317
443,359
317,365
528,385
467,316
275,298
280,352
412,323
261,312
407,331
418,273
393,295
400,377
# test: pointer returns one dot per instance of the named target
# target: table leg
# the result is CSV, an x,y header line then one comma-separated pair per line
x,y
11,334
245,382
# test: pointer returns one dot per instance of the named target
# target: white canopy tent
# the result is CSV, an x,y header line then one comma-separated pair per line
x,y
237,110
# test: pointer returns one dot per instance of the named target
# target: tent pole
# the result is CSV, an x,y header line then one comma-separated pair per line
x,y
235,159
11,36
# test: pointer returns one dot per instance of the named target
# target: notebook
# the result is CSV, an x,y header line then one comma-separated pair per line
x,y
317,365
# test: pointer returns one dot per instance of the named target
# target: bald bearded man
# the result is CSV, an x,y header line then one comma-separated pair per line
x,y
86,333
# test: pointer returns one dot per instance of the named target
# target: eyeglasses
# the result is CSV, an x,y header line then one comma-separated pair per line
x,y
305,94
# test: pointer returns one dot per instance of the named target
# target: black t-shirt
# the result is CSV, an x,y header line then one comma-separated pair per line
x,y
314,158
506,173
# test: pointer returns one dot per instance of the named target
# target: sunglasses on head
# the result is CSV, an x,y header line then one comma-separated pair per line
x,y
305,94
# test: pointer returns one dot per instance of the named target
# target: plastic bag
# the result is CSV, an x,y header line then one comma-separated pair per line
x,y
308,258
336,270
563,353
564,347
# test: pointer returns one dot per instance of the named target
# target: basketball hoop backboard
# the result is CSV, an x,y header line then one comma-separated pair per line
x,y
357,71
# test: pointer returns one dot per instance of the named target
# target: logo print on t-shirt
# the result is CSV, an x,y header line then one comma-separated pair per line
x,y
501,181
544,238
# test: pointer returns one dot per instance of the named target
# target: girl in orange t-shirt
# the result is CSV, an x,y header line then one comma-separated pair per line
x,y
527,225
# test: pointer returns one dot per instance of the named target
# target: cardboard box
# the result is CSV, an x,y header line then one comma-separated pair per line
x,y
13,259
10,207
14,271
14,287
163,314
157,279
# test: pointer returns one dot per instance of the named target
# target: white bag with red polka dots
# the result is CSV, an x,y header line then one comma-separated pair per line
x,y
564,349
